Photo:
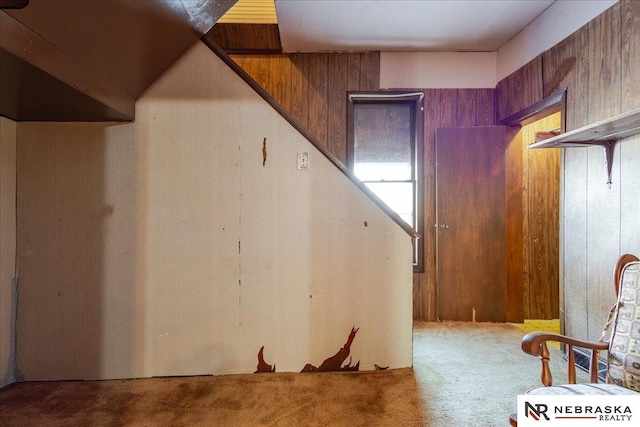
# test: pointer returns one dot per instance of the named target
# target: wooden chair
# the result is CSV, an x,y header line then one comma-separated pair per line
x,y
626,279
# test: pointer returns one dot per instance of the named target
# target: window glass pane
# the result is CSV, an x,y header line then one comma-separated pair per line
x,y
397,195
382,134
382,171
383,152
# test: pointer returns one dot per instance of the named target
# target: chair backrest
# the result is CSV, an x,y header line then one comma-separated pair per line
x,y
624,345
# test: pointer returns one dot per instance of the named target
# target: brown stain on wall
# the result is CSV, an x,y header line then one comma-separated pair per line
x,y
331,364
262,365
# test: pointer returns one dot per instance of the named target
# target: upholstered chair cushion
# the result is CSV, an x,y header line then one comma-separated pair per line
x,y
624,347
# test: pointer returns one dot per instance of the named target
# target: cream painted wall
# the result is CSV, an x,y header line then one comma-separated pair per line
x,y
460,70
7,244
438,70
165,247
81,310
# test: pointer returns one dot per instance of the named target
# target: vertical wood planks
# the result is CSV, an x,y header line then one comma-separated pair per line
x,y
578,81
630,48
318,91
604,65
258,67
425,308
515,225
520,89
353,72
300,88
370,71
280,66
466,107
485,107
449,108
542,177
502,99
517,91
532,72
337,101
551,65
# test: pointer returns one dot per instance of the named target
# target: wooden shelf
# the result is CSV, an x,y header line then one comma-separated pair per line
x,y
600,133
604,133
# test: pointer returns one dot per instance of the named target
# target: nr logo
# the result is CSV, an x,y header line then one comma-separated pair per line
x,y
536,411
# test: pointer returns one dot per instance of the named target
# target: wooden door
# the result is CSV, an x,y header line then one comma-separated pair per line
x,y
471,224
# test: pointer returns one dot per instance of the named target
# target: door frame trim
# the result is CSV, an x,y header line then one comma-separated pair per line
x,y
549,105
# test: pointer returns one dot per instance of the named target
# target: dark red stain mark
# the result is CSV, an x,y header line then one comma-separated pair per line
x,y
334,363
262,365
264,152
366,224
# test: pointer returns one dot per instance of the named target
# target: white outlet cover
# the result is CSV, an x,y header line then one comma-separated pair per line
x,y
303,161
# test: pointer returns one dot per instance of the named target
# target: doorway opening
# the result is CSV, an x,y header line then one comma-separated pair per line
x,y
533,212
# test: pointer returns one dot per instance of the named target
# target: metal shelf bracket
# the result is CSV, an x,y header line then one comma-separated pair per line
x,y
608,158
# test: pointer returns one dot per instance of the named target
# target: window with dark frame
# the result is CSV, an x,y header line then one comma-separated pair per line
x,y
384,151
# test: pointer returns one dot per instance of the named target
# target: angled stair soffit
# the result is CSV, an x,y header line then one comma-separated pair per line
x,y
89,61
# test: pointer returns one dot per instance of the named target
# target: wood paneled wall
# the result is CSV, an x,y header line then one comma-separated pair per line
x,y
599,65
520,89
313,88
444,108
541,201
532,187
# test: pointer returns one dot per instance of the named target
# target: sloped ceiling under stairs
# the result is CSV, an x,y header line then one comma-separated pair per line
x,y
75,60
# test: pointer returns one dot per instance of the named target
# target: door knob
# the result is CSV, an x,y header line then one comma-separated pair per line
x,y
444,226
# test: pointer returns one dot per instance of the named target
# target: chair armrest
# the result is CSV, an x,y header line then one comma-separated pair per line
x,y
535,344
532,342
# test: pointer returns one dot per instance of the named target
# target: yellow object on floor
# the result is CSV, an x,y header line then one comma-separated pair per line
x,y
531,325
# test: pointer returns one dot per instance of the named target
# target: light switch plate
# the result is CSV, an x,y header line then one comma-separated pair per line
x,y
303,161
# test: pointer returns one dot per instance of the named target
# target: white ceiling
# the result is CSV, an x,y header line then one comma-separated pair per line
x,y
403,25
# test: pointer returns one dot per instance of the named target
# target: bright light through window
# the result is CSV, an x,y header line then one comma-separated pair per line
x,y
397,195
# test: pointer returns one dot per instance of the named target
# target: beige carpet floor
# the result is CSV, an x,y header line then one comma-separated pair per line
x,y
464,374
471,373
